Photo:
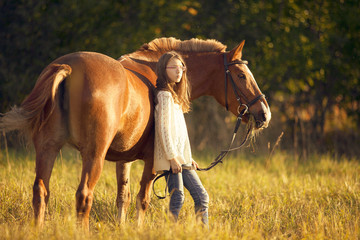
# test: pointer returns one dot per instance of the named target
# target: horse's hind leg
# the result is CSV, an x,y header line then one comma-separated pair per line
x,y
123,196
47,142
97,137
92,167
45,158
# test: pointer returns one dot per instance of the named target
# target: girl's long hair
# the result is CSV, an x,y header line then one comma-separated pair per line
x,y
180,91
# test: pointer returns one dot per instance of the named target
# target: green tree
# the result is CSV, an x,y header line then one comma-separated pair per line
x,y
305,55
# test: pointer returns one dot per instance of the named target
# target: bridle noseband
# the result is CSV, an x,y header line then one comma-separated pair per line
x,y
236,90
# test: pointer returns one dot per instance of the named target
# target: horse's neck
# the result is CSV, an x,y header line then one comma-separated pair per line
x,y
203,72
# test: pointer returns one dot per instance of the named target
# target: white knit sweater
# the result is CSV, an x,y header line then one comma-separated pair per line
x,y
171,136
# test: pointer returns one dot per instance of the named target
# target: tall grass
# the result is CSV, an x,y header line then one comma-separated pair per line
x,y
250,198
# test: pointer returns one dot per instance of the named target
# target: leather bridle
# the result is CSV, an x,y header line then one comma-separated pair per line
x,y
236,90
241,113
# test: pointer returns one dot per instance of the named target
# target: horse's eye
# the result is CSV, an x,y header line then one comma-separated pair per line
x,y
241,76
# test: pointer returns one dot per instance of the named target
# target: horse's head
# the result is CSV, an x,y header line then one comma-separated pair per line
x,y
241,90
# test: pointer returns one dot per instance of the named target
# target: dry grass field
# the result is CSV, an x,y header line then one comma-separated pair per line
x,y
319,199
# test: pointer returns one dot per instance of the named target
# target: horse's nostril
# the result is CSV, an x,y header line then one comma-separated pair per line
x,y
259,124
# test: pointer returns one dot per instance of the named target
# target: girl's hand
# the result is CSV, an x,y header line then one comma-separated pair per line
x,y
175,166
195,164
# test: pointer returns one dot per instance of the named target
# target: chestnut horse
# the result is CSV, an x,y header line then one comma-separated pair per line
x,y
104,108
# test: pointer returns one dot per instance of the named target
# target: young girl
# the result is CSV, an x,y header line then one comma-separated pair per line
x,y
172,145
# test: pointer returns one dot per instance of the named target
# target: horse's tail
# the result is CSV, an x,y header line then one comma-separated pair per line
x,y
36,109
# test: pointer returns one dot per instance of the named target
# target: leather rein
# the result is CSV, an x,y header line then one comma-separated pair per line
x,y
241,113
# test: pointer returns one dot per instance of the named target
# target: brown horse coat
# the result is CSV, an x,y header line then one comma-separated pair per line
x,y
104,108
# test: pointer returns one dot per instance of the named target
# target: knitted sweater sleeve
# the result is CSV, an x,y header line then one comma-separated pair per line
x,y
164,124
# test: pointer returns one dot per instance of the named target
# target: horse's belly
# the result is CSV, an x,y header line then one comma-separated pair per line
x,y
131,145
123,141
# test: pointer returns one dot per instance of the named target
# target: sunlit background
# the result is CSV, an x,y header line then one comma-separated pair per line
x,y
305,56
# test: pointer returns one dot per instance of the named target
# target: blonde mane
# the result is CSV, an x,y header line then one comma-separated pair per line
x,y
153,50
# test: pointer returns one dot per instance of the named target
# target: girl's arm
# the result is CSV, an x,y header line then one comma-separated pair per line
x,y
163,125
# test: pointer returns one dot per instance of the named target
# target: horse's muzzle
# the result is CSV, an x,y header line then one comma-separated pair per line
x,y
263,117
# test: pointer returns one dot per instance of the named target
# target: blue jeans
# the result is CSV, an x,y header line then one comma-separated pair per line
x,y
192,183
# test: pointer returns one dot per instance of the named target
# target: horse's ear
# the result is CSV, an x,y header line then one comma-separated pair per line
x,y
236,53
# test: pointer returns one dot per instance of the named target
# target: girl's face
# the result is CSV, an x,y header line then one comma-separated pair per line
x,y
174,70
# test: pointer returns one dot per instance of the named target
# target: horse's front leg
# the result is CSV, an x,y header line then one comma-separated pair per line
x,y
143,197
123,198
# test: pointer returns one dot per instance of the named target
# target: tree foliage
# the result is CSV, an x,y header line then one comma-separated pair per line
x,y
305,55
